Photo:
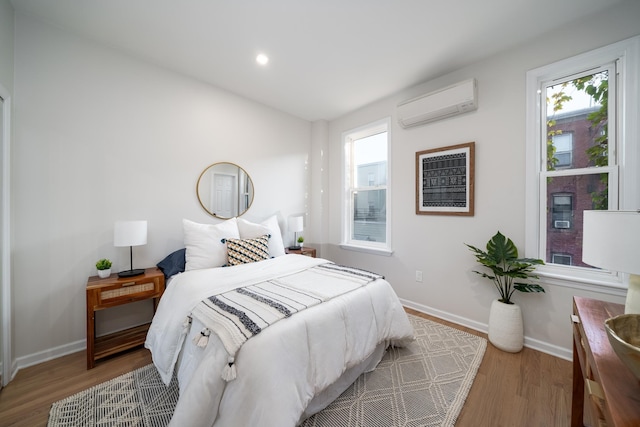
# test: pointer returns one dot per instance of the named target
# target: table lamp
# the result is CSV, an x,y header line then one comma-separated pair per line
x,y
130,233
611,241
296,224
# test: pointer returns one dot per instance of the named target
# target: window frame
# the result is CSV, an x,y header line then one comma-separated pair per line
x,y
626,55
379,248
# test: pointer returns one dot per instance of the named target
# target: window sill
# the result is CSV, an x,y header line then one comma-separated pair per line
x,y
366,249
592,283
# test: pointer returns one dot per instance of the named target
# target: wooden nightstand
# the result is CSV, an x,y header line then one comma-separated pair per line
x,y
612,391
305,250
111,292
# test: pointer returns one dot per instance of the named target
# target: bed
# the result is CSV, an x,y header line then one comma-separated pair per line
x,y
297,363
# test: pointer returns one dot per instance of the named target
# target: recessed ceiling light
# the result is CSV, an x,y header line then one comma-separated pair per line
x,y
262,59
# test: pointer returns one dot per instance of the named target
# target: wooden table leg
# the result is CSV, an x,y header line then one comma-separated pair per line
x,y
577,398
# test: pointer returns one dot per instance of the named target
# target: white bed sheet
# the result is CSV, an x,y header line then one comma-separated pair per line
x,y
280,370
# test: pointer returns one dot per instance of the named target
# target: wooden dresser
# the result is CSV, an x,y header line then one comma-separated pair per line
x,y
305,250
114,291
605,392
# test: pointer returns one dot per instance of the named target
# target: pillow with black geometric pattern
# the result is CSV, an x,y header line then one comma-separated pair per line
x,y
244,251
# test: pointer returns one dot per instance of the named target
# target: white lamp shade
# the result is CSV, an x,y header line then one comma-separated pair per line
x,y
296,224
611,240
130,233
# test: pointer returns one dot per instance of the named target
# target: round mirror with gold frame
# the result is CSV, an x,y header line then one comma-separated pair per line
x,y
225,190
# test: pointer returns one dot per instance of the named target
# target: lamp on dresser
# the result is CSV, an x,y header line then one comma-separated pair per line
x,y
611,240
130,233
296,224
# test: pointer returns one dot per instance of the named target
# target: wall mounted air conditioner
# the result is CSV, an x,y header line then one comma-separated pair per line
x,y
561,224
447,102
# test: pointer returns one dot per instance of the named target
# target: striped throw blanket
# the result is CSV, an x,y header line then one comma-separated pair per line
x,y
244,312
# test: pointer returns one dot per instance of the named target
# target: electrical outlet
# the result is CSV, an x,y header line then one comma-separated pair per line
x,y
418,276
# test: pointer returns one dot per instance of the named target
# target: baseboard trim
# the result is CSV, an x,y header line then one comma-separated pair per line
x,y
50,354
542,346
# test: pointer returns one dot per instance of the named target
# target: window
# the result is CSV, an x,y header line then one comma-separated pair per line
x,y
563,144
561,259
578,133
562,211
366,171
575,119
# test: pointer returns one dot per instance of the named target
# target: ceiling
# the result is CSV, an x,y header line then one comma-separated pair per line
x,y
327,57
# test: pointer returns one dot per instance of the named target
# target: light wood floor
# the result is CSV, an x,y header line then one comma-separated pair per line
x,y
512,390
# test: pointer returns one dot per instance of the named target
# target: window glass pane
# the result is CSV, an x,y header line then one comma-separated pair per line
x,y
577,122
370,215
563,144
370,160
567,198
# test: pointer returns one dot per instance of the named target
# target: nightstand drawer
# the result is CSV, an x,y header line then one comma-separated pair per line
x,y
105,293
128,291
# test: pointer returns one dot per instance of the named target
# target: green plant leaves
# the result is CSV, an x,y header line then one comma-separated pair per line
x,y
103,264
500,248
501,257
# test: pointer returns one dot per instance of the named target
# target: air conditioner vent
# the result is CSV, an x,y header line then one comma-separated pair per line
x,y
447,102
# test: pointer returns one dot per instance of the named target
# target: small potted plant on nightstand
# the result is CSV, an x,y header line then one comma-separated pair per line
x,y
104,268
301,241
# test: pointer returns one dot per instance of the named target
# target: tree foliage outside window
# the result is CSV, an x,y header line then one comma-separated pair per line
x,y
596,86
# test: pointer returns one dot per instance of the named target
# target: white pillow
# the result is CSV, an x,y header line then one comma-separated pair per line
x,y
203,243
251,230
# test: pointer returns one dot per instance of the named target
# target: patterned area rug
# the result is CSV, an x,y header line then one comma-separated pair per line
x,y
424,384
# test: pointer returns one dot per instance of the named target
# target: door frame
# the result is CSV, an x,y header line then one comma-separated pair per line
x,y
5,241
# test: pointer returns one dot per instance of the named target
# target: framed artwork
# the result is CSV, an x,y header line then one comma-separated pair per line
x,y
444,180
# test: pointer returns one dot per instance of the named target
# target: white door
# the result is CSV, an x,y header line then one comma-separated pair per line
x,y
224,189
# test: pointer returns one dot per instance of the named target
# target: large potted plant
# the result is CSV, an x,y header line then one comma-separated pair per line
x,y
508,274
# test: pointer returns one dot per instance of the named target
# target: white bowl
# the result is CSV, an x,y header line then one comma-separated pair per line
x,y
624,335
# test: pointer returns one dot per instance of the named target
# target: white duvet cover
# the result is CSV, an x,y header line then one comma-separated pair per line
x,y
280,370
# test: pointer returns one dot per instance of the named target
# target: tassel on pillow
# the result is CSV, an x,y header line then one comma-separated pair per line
x,y
229,372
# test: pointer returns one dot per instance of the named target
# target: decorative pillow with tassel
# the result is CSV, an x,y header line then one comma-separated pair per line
x,y
244,251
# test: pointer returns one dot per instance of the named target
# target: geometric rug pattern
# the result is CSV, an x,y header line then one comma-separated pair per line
x,y
137,398
424,384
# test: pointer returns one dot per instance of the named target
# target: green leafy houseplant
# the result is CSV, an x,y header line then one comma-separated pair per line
x,y
103,264
501,257
300,239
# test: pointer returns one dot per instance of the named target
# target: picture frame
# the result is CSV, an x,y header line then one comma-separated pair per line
x,y
445,180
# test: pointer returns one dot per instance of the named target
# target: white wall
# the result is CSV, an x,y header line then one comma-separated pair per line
x,y
435,244
100,137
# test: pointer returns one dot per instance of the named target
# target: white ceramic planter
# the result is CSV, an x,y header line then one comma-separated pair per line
x,y
506,330
103,274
